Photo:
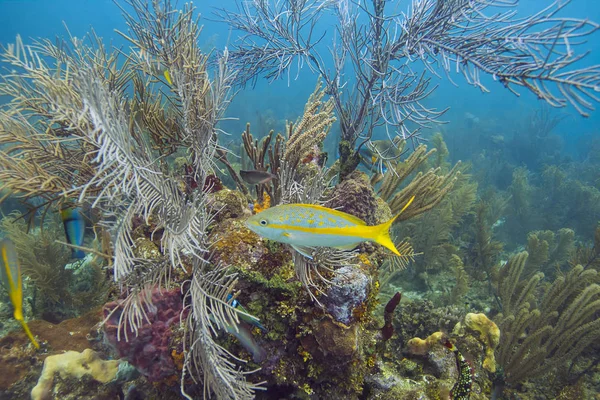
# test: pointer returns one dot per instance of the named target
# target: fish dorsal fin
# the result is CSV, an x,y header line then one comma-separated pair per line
x,y
348,217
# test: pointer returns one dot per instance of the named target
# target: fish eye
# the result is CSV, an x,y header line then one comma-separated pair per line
x,y
263,222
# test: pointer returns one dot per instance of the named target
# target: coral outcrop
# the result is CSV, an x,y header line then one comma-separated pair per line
x,y
149,348
348,290
356,196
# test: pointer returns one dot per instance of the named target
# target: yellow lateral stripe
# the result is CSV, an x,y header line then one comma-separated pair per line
x,y
365,231
331,211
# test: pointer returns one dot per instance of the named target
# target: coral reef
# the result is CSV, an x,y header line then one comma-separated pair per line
x,y
356,196
134,141
147,346
349,289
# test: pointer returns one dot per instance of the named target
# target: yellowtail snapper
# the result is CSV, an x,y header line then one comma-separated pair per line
x,y
12,281
306,226
74,224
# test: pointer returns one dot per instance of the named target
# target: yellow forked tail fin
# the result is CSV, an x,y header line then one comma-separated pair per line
x,y
382,235
28,333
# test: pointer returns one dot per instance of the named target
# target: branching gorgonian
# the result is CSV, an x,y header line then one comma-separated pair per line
x,y
371,73
74,133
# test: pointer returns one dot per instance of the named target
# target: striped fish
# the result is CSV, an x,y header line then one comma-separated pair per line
x,y
10,275
249,319
243,334
306,226
74,224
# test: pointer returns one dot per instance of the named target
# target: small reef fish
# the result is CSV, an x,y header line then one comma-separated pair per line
x,y
11,279
306,226
254,177
249,319
74,224
462,388
372,155
167,76
243,334
155,66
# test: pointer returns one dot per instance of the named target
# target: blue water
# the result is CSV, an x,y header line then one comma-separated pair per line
x,y
284,99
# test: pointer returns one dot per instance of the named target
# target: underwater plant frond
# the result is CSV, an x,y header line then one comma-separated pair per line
x,y
210,311
309,130
399,263
428,189
43,124
257,152
539,49
461,287
312,273
508,284
123,166
486,250
540,336
548,250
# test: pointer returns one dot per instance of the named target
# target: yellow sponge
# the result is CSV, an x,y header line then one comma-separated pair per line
x,y
76,365
489,335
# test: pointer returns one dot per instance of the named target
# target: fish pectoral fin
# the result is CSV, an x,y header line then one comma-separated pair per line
x,y
306,251
348,247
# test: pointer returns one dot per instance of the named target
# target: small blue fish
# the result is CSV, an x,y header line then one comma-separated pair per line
x,y
74,224
248,319
10,276
243,334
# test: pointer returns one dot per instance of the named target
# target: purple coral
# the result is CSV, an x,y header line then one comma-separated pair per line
x,y
149,351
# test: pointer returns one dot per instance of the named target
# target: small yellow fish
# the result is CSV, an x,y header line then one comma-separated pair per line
x,y
167,75
305,226
10,275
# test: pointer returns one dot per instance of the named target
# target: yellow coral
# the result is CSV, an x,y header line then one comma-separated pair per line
x,y
421,347
305,354
178,359
307,389
364,259
73,364
489,335
265,204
